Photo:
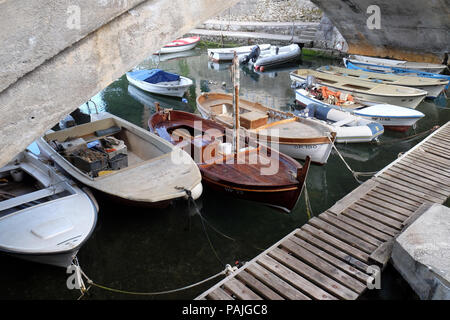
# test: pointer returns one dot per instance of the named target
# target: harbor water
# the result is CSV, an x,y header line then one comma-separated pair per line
x,y
152,250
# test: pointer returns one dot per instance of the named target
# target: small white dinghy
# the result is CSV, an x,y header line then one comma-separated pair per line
x,y
349,128
227,54
277,56
44,216
180,45
160,82
392,117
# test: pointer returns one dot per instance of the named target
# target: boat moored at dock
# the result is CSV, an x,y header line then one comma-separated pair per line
x,y
364,91
123,161
179,45
44,216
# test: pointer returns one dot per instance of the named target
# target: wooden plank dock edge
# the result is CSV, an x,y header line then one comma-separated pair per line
x,y
330,257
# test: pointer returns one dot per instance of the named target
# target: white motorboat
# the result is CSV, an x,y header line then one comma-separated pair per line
x,y
277,56
433,87
364,91
373,63
390,116
160,82
227,54
44,216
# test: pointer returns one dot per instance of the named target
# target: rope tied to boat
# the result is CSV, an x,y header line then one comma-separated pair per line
x,y
355,174
411,137
225,272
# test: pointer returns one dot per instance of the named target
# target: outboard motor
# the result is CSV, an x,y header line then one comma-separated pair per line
x,y
254,54
310,82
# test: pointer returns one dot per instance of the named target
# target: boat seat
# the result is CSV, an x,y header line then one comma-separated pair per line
x,y
253,119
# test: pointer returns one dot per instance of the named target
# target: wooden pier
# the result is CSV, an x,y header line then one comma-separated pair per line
x,y
330,256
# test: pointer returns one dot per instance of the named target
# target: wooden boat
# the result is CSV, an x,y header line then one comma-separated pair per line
x,y
155,174
160,82
297,137
398,72
364,91
277,56
240,174
350,128
391,117
44,216
433,87
374,63
179,45
227,54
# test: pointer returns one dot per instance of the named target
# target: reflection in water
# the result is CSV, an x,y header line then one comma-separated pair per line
x,y
152,250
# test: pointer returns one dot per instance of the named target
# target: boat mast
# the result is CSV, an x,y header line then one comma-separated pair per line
x,y
235,79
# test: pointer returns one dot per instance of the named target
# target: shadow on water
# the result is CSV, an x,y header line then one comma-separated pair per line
x,y
160,249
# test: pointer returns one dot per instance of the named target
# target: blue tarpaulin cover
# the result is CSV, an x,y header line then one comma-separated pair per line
x,y
154,76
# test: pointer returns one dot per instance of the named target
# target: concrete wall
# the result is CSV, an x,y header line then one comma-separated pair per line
x,y
415,30
48,69
272,10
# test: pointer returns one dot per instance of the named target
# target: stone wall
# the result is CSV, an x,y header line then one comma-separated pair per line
x,y
272,10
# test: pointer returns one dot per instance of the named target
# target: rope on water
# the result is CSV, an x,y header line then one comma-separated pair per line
x,y
227,271
355,174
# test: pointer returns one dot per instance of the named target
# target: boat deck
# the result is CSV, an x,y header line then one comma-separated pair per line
x,y
332,256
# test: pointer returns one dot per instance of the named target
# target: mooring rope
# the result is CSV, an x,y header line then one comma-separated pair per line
x,y
411,137
228,270
309,211
355,174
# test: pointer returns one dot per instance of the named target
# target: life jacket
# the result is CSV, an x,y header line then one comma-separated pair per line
x,y
336,98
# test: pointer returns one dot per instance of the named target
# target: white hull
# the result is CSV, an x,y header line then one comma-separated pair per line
x,y
49,231
177,48
271,58
396,117
166,88
408,101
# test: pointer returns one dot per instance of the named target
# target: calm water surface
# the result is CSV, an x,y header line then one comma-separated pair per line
x,y
153,250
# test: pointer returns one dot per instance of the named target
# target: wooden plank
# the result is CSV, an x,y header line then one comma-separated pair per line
x,y
383,253
313,275
430,164
219,294
342,235
437,170
430,184
376,194
437,153
404,186
439,150
353,196
445,140
431,157
275,283
323,266
356,253
333,220
399,194
331,259
377,216
369,230
413,183
293,278
370,222
308,237
374,204
260,288
424,172
240,290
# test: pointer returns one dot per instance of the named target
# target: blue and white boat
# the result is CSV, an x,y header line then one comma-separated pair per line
x,y
390,116
160,82
351,64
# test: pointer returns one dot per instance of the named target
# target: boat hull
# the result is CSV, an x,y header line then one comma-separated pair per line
x,y
381,64
180,45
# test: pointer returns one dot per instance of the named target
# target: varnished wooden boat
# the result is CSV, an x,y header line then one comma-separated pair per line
x,y
156,173
297,137
255,173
